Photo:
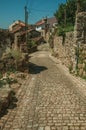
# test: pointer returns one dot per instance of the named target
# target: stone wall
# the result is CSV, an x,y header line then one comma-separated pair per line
x,y
81,59
80,39
65,51
72,52
80,28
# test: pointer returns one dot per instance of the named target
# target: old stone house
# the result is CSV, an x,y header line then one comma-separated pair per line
x,y
45,25
22,36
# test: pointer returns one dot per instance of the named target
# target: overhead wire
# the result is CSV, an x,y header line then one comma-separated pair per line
x,y
32,11
41,10
29,6
35,16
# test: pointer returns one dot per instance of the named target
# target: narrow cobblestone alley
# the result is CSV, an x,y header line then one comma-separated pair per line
x,y
49,100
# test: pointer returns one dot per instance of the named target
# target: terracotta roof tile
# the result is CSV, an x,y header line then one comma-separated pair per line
x,y
40,22
51,21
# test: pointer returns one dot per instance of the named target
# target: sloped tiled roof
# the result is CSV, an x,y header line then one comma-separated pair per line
x,y
24,32
40,22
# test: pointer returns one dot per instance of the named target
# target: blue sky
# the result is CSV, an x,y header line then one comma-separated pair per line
x,y
12,10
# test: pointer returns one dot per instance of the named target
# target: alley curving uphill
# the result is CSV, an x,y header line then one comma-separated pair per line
x,y
50,100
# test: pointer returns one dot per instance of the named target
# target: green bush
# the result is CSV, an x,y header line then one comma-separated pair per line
x,y
11,80
31,43
69,28
2,82
16,54
61,31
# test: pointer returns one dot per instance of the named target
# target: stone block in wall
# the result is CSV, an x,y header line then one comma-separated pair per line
x,y
85,61
83,65
1,65
81,72
79,33
83,52
79,26
80,66
84,73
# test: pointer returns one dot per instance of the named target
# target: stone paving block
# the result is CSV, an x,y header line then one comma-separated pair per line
x,y
82,128
41,128
35,125
17,129
59,128
49,102
47,128
53,128
65,127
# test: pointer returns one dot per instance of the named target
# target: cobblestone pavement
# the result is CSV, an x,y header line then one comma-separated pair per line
x,y
49,100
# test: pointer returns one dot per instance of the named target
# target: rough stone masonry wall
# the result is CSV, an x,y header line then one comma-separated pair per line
x,y
65,52
81,67
73,52
80,38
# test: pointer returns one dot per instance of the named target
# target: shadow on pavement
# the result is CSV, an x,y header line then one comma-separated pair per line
x,y
12,105
35,69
